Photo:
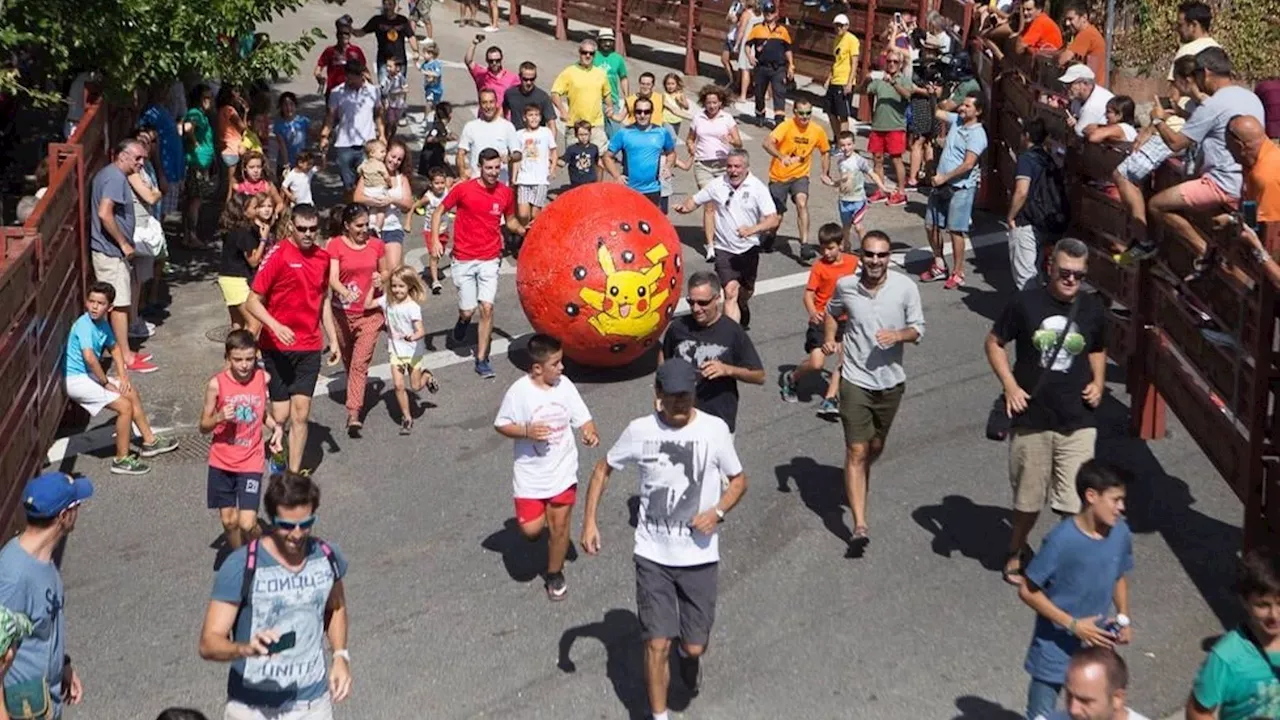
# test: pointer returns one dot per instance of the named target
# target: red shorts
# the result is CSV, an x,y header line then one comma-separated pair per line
x,y
893,142
426,236
530,509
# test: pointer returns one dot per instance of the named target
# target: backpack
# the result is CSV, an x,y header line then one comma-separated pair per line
x,y
251,567
1046,206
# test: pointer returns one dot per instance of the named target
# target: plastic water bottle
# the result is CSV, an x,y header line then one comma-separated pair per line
x,y
1116,624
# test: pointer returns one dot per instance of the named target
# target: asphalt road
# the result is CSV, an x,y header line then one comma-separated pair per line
x,y
448,620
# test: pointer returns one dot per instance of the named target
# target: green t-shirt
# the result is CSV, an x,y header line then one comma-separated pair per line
x,y
616,68
1236,680
200,145
963,89
891,108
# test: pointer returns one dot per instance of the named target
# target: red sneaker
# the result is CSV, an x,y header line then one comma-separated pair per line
x,y
898,198
877,196
953,282
145,356
936,272
142,366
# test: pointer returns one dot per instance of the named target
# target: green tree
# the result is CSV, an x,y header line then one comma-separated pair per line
x,y
1247,30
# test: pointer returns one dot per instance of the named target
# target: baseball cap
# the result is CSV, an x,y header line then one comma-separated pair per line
x,y
1077,72
840,19
676,376
605,34
768,7
50,493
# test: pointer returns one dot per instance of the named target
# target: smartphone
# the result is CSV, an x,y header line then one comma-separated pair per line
x,y
1249,213
1166,103
897,18
286,642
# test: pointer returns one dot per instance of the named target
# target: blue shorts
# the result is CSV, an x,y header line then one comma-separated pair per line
x,y
392,236
957,214
852,211
234,490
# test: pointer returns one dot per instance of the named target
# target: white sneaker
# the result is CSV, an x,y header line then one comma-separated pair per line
x,y
491,29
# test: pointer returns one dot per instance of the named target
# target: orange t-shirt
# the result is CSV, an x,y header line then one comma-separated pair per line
x,y
1262,183
797,143
229,136
1091,49
823,277
1042,34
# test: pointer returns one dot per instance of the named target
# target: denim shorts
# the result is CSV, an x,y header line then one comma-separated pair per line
x,y
957,214
852,211
392,236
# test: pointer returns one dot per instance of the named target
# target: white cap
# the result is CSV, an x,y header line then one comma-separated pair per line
x,y
605,34
1077,72
840,19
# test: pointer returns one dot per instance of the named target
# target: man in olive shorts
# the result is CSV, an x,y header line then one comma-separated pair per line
x,y
884,313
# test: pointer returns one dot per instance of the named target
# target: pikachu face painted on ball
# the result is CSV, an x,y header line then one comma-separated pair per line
x,y
632,300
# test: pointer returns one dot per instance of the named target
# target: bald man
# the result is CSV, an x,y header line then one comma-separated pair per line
x,y
1096,687
1248,144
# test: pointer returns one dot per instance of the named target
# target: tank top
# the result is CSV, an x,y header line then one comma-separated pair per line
x,y
237,446
392,213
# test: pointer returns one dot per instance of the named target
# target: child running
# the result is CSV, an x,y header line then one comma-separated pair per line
x,y
538,412
246,228
435,138
854,171
438,182
832,265
235,403
583,157
432,72
537,159
403,308
377,179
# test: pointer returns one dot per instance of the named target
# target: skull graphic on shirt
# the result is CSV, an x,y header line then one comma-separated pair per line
x,y
1045,339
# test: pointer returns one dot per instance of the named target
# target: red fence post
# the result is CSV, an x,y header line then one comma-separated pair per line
x,y
513,17
864,107
617,27
562,29
690,52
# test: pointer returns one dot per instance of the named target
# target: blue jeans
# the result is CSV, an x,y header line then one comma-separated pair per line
x,y
1042,698
348,160
954,216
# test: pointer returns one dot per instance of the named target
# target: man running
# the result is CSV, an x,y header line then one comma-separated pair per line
x,y
681,454
291,299
644,145
792,145
480,203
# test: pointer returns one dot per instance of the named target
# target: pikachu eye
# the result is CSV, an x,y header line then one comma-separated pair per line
x,y
640,291
613,290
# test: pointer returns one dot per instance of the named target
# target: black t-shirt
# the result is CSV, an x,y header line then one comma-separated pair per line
x,y
723,340
581,161
1031,165
433,149
236,248
514,102
393,33
1033,321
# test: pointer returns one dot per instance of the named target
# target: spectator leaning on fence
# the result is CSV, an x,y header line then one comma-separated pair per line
x,y
1088,98
1087,46
1260,158
1039,32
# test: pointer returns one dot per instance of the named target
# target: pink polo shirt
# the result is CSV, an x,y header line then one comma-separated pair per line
x,y
499,83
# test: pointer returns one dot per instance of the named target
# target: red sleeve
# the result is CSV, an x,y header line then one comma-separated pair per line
x,y
267,272
509,202
454,197
815,278
325,57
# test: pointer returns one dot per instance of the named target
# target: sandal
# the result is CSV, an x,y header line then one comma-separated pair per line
x,y
406,426
433,385
1012,572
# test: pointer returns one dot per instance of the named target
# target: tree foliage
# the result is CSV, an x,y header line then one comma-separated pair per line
x,y
1247,29
136,44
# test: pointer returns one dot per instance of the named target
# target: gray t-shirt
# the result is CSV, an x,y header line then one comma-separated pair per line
x,y
1207,127
111,184
896,305
34,588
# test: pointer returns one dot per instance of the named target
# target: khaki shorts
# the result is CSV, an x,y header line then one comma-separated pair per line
x,y
115,272
1043,466
868,414
704,173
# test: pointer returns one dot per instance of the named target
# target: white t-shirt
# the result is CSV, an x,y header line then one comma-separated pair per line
x,y
1192,48
478,134
400,324
355,122
853,177
1092,111
544,468
749,204
298,184
680,472
535,156
712,143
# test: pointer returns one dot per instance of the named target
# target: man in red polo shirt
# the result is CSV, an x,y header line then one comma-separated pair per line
x,y
291,299
482,204
331,69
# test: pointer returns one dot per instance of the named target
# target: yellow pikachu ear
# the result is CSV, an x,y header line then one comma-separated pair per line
x,y
606,260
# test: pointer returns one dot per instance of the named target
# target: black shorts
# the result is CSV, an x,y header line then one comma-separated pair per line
x,y
234,490
839,105
676,602
743,268
813,336
780,191
292,373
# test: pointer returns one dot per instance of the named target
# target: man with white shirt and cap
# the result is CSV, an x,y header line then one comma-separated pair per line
x,y
1088,98
743,210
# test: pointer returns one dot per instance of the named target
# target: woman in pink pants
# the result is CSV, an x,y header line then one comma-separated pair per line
x,y
356,263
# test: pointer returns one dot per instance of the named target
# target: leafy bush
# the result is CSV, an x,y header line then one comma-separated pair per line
x,y
1248,29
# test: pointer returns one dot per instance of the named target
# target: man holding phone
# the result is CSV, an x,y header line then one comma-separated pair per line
x,y
274,601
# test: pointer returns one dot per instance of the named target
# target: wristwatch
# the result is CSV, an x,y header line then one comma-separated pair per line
x,y
1261,255
719,513
344,654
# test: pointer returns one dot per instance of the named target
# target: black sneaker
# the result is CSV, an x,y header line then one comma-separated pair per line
x,y
557,588
690,672
460,331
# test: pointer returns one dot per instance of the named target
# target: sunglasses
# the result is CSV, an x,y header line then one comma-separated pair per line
x,y
643,112
307,229
528,79
1076,275
304,524
700,303
586,52
878,255
730,198
494,61
803,113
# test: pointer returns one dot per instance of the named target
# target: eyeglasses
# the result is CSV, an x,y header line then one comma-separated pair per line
x,y
700,303
803,113
877,255
306,229
304,524
586,52
1076,275
494,61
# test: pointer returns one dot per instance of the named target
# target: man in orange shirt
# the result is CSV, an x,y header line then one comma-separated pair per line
x,y
1247,142
1039,31
791,145
1088,45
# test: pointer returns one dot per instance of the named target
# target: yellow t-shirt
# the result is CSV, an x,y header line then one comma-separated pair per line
x,y
585,91
847,50
657,98
797,143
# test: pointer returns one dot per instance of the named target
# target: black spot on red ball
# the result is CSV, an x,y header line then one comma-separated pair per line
x,y
580,273
628,257
625,227
671,310
617,347
571,310
644,227
679,262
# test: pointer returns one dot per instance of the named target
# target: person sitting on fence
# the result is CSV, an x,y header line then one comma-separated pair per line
x,y
89,386
993,21
1247,141
1218,187
1087,44
1119,125
1039,32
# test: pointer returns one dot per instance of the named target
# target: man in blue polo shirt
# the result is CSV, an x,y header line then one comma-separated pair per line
x,y
643,145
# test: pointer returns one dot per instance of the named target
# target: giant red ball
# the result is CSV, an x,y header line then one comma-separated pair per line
x,y
601,271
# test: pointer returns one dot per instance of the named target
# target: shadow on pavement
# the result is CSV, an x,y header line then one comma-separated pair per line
x,y
821,490
978,532
320,441
976,708
619,633
523,559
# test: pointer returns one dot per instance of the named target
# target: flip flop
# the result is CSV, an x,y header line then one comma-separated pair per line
x,y
1012,574
433,385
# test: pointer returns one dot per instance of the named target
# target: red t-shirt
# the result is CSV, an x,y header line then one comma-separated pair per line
x,y
480,212
237,444
292,286
355,270
335,65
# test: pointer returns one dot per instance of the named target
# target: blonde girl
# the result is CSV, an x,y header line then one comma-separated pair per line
x,y
402,305
675,104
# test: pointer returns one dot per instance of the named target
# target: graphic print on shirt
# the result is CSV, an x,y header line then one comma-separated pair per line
x,y
582,162
1046,338
632,301
696,353
248,412
530,151
673,498
556,417
290,602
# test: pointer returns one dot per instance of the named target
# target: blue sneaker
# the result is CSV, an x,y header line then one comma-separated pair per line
x,y
787,386
485,370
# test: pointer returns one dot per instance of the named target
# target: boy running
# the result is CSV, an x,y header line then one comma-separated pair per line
x,y
532,177
854,171
832,265
583,157
537,412
235,402
437,187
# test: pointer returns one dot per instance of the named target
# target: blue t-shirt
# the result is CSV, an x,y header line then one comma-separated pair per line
x,y
581,161
434,88
110,183
86,334
288,602
1078,574
173,155
962,139
295,133
644,150
34,588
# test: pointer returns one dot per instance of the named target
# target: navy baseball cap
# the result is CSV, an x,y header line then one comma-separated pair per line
x,y
768,7
50,493
676,376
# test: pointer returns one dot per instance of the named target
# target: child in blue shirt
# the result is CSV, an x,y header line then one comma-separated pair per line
x,y
432,72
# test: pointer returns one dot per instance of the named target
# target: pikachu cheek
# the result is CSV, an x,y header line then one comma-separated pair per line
x,y
642,305
608,304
